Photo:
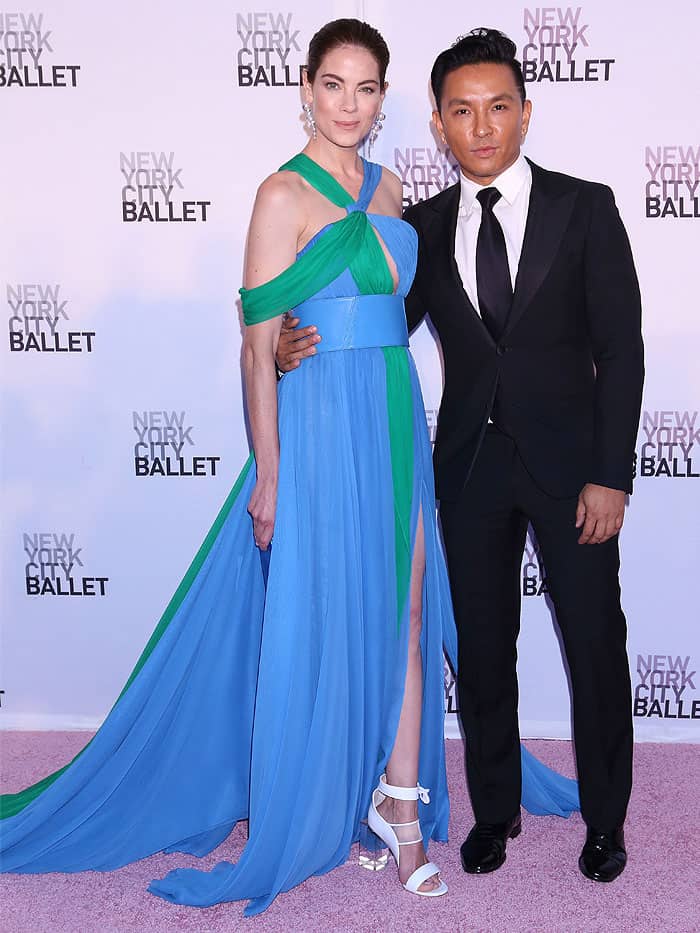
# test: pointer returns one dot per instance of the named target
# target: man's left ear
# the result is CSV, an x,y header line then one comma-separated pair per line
x,y
437,123
527,112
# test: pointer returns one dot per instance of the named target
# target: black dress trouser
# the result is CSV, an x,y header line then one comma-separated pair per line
x,y
484,533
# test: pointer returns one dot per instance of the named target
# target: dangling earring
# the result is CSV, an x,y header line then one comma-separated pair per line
x,y
310,122
375,131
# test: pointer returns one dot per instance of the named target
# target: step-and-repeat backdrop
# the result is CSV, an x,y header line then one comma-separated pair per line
x,y
133,137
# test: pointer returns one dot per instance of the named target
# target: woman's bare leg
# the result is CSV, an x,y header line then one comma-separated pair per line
x,y
402,767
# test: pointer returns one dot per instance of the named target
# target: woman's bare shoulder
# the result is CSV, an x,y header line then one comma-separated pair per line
x,y
283,191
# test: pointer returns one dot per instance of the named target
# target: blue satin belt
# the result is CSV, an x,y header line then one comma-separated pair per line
x,y
355,323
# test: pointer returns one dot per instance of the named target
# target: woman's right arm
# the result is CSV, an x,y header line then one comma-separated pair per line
x,y
272,241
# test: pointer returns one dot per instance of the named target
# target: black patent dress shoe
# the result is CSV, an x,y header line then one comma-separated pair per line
x,y
484,849
603,856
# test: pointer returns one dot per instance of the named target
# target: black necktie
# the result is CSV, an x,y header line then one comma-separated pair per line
x,y
493,286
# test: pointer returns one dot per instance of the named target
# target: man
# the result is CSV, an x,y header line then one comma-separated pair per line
x,y
529,280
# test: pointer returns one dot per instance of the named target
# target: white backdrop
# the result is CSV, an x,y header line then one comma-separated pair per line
x,y
123,332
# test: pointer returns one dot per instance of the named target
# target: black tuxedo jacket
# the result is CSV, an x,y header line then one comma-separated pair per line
x,y
565,380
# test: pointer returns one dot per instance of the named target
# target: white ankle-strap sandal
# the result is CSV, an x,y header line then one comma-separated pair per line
x,y
387,834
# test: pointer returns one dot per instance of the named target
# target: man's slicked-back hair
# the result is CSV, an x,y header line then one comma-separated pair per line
x,y
476,48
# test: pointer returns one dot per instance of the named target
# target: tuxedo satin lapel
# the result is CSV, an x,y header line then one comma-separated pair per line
x,y
548,215
443,230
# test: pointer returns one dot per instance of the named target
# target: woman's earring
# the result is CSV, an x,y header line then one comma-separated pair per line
x,y
310,122
375,131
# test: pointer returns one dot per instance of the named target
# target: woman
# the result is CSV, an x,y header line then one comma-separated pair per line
x,y
296,677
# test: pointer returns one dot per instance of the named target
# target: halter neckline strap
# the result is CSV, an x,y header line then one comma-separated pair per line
x,y
325,183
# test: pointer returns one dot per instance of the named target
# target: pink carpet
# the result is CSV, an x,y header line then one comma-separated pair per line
x,y
538,889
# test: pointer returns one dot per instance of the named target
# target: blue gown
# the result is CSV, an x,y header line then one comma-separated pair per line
x,y
273,689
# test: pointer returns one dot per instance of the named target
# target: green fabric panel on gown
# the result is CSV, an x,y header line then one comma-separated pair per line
x,y
10,804
400,409
318,267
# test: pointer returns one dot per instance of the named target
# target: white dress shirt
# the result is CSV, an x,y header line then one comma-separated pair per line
x,y
511,210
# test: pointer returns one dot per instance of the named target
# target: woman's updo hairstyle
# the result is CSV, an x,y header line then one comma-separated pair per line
x,y
347,32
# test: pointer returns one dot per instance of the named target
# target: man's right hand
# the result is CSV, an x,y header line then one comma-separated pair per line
x,y
295,344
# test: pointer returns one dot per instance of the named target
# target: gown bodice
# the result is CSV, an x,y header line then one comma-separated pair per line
x,y
344,258
399,238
